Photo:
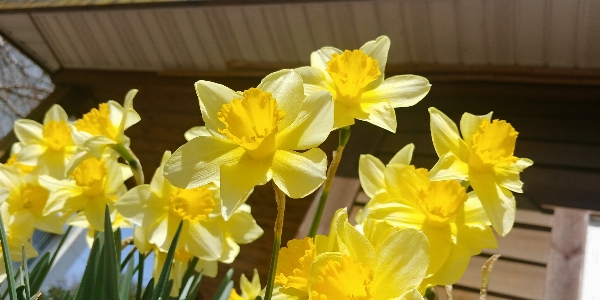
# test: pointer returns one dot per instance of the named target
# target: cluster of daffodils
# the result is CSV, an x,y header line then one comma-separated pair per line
x,y
419,229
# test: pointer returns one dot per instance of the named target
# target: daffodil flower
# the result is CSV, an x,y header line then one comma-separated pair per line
x,y
453,221
19,230
249,289
28,199
80,220
264,133
106,125
159,207
92,185
48,146
356,81
485,157
359,270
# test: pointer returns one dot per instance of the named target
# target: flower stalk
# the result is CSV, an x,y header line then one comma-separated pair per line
x,y
132,161
280,198
335,162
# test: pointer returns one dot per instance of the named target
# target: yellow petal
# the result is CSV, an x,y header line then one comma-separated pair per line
x,y
205,241
448,167
358,246
344,116
398,215
29,154
132,205
315,80
475,238
412,294
453,269
56,113
498,202
319,58
243,228
473,213
299,174
94,212
212,96
198,162
445,136
378,50
404,156
28,131
440,243
469,125
370,173
51,223
235,189
141,241
400,91
403,259
196,132
286,87
230,251
380,114
312,125
208,268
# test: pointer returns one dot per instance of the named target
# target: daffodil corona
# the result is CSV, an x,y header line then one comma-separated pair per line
x,y
356,81
267,132
484,156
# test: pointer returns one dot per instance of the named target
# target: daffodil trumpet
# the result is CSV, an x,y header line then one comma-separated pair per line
x,y
280,198
335,162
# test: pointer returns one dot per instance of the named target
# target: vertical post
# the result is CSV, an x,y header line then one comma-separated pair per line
x,y
567,254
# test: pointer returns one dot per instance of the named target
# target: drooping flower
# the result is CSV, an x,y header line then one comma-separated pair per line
x,y
93,184
28,198
49,146
453,221
485,157
19,230
159,207
356,81
264,133
105,126
249,289
359,270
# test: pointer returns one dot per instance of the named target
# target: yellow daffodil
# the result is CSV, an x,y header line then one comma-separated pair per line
x,y
359,270
159,207
28,199
19,230
453,221
250,289
264,133
485,157
48,146
80,220
105,126
356,81
93,184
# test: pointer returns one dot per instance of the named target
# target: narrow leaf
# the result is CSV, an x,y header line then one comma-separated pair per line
x,y
86,287
125,288
195,287
164,274
25,272
186,288
224,285
39,272
140,266
149,290
112,267
7,262
226,292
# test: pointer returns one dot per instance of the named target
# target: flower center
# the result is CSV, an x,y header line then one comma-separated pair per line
x,y
493,143
24,168
351,72
97,122
346,279
34,198
441,201
293,265
90,175
57,134
252,121
193,205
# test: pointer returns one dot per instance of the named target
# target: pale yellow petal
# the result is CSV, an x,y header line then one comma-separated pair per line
x,y
96,145
453,269
448,167
157,231
469,125
473,213
404,156
380,114
475,238
507,176
208,268
445,136
132,204
412,294
94,212
398,215
400,91
312,125
378,50
315,80
29,131
196,132
230,251
238,181
141,241
30,154
114,176
205,241
212,96
198,162
56,113
358,246
131,116
370,173
243,228
299,174
286,87
4,192
498,202
403,259
319,58
344,116
51,223
440,243
158,179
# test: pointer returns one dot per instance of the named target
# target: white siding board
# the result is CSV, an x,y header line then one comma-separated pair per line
x,y
416,20
152,59
260,33
320,26
280,33
443,32
365,20
205,34
471,28
172,35
98,34
75,43
343,25
529,32
562,33
241,31
91,44
223,33
391,24
589,35
159,43
190,42
500,31
112,39
300,32
61,44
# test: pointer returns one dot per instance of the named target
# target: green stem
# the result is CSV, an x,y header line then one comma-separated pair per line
x,y
335,162
132,160
7,262
280,198
138,291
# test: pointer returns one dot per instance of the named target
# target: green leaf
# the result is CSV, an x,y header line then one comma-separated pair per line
x,y
138,291
161,285
195,287
39,272
7,262
88,281
186,288
189,271
225,286
118,244
125,288
112,267
21,292
258,298
25,274
149,290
